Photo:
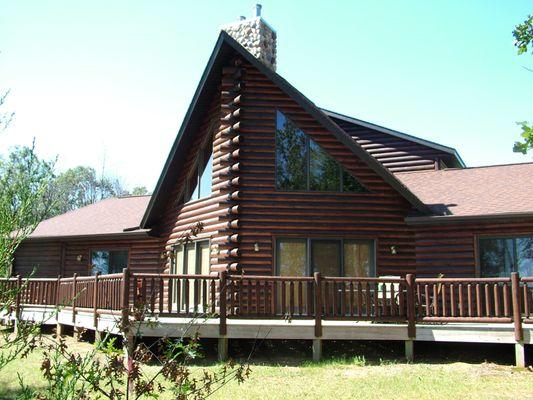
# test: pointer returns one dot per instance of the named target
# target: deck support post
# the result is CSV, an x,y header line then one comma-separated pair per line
x,y
78,332
223,343
317,349
520,354
409,350
59,330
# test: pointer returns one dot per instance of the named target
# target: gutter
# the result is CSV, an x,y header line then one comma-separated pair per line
x,y
450,219
118,235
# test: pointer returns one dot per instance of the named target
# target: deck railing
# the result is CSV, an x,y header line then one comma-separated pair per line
x,y
386,299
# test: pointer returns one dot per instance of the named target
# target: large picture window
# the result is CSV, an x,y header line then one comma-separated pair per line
x,y
498,257
302,165
330,257
108,261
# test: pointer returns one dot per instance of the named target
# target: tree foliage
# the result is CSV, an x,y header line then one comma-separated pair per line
x,y
523,34
80,186
24,188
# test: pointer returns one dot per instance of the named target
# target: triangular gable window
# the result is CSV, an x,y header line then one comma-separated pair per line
x,y
302,165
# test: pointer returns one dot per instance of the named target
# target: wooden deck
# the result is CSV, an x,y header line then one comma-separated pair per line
x,y
474,310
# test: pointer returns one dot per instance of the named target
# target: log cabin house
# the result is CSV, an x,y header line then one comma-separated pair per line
x,y
285,188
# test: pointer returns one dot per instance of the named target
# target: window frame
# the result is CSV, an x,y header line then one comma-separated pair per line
x,y
477,247
308,165
199,160
196,257
308,256
108,249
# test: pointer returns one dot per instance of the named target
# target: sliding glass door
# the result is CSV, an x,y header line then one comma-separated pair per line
x,y
192,258
331,257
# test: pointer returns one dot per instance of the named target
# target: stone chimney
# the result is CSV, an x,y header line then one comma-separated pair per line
x,y
256,36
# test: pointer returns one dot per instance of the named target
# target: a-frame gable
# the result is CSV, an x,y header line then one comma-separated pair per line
x,y
225,48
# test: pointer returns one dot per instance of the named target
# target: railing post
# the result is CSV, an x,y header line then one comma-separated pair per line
x,y
95,300
74,277
318,304
517,312
411,309
17,297
223,296
58,284
125,296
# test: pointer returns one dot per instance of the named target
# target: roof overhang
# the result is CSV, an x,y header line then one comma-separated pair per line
x,y
225,47
446,149
104,236
451,219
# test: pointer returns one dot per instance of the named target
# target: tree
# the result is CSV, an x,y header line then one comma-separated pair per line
x,y
139,191
523,35
5,116
24,186
79,186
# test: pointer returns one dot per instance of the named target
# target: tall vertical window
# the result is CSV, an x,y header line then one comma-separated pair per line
x,y
301,164
108,261
498,257
199,184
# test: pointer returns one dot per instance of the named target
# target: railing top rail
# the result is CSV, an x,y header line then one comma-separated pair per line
x,y
109,276
527,279
175,276
462,280
271,278
363,279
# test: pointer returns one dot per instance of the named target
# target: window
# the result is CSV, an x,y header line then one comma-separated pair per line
x,y
330,257
498,257
199,184
192,258
108,261
301,164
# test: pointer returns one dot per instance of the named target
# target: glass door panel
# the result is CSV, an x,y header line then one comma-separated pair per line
x,y
326,259
291,261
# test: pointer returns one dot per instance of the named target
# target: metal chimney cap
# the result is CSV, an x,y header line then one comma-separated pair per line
x,y
257,10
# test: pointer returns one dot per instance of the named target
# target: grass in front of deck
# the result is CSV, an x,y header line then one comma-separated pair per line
x,y
351,371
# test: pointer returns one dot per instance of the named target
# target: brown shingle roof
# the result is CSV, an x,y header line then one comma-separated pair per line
x,y
498,189
107,217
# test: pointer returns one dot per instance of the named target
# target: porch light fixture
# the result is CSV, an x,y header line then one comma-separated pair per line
x,y
79,257
256,247
393,250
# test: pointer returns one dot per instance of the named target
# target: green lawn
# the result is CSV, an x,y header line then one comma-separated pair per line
x,y
370,371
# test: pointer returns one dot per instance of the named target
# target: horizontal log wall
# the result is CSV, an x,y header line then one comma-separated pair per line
x,y
44,257
53,258
451,249
267,213
397,154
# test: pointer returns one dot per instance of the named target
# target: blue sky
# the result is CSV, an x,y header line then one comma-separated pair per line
x,y
108,82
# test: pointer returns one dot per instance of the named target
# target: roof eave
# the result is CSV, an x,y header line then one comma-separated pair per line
x,y
305,103
449,219
147,217
100,236
450,150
